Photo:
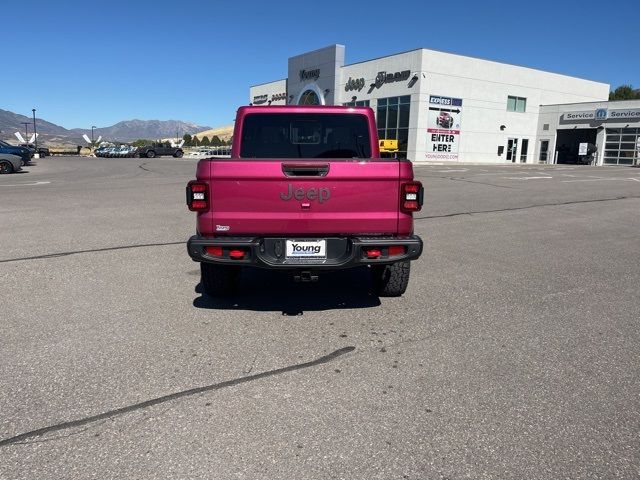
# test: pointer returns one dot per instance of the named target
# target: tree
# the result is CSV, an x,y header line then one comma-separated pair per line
x,y
215,141
205,141
187,139
194,141
624,92
141,142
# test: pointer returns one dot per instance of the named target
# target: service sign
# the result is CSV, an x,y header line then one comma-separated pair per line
x,y
626,113
443,128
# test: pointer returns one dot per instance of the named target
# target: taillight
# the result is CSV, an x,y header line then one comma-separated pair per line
x,y
397,250
214,251
373,252
411,197
197,196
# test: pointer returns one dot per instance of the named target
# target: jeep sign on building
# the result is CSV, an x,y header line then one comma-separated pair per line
x,y
443,107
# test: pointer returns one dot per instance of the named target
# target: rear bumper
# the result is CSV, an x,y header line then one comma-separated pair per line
x,y
269,252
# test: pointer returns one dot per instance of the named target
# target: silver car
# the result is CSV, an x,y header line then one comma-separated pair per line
x,y
10,163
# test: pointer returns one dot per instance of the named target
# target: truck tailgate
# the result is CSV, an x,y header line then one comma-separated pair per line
x,y
303,197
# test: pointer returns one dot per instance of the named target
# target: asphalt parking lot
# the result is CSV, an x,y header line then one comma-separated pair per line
x,y
514,353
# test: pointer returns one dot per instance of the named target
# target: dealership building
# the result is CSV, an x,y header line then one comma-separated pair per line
x,y
443,107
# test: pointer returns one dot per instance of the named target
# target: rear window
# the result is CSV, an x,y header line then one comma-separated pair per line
x,y
305,135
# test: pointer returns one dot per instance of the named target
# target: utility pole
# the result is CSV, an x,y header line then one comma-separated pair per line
x,y
35,133
26,131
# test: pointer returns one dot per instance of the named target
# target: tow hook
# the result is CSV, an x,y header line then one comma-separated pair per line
x,y
305,276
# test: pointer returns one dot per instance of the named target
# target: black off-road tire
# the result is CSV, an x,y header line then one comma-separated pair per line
x,y
218,280
6,167
150,154
391,280
178,154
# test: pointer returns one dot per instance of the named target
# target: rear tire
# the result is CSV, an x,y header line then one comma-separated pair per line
x,y
6,167
218,280
150,154
391,280
178,154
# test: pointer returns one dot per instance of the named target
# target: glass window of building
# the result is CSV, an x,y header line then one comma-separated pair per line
x,y
309,97
516,104
622,146
392,117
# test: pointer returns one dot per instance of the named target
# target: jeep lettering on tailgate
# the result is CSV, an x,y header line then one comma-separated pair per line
x,y
320,194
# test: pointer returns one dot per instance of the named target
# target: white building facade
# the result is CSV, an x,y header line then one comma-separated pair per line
x,y
440,107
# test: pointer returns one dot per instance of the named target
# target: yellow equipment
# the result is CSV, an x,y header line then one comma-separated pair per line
x,y
388,145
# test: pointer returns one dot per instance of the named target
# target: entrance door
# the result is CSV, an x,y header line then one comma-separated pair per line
x,y
544,151
512,150
523,150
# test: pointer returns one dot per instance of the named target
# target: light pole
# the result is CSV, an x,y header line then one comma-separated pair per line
x,y
92,128
26,131
35,133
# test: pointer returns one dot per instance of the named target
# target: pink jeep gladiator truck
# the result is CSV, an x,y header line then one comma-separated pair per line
x,y
305,190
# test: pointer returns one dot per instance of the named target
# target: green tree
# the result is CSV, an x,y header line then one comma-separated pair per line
x,y
194,141
187,139
141,142
205,141
624,92
215,141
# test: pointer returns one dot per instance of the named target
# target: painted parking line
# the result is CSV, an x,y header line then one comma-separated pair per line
x,y
492,173
447,171
601,180
31,184
525,178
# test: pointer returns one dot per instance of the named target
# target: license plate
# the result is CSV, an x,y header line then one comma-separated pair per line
x,y
306,249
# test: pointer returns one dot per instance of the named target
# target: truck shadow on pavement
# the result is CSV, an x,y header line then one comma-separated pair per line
x,y
262,290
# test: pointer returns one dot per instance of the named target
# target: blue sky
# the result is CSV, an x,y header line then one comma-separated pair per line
x,y
97,62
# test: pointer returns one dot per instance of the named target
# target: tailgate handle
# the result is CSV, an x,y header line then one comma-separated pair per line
x,y
305,170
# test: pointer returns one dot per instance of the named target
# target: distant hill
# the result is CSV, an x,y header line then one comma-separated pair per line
x,y
149,129
12,122
52,134
223,133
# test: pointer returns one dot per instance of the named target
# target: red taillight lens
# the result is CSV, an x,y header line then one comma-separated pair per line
x,y
411,197
237,254
214,251
397,250
197,196
373,253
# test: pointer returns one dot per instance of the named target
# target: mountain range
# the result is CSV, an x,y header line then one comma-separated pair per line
x,y
129,130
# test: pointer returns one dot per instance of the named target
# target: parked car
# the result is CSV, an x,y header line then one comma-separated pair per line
x,y
22,152
10,163
445,120
42,151
112,151
159,149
